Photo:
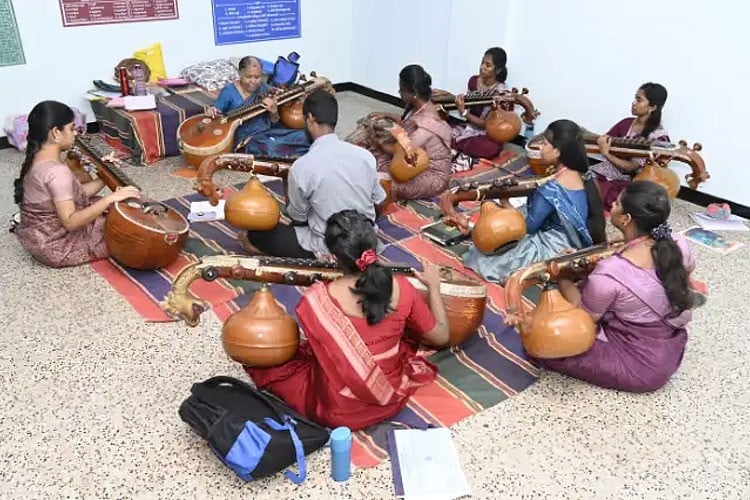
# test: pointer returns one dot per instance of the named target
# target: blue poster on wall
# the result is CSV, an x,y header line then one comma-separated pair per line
x,y
238,21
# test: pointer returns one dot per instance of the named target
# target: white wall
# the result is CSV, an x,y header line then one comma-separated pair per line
x,y
581,59
446,37
62,62
584,60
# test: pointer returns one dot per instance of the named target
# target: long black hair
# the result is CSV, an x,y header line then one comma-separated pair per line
x,y
348,235
499,59
566,136
44,117
648,205
416,80
656,95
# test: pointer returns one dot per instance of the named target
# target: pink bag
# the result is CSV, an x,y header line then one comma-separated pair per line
x,y
17,128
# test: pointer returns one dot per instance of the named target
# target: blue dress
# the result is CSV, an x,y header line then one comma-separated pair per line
x,y
555,221
266,138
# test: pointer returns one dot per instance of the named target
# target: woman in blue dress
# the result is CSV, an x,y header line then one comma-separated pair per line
x,y
262,135
563,213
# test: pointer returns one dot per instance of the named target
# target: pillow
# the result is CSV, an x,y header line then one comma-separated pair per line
x,y
153,57
17,128
211,75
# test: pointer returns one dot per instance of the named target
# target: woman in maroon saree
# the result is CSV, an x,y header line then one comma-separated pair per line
x,y
615,173
470,139
62,222
639,297
355,368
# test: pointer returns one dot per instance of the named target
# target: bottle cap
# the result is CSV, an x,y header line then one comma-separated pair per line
x,y
340,437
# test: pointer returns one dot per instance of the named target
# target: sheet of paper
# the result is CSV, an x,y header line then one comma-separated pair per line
x,y
139,102
429,464
518,202
204,211
734,223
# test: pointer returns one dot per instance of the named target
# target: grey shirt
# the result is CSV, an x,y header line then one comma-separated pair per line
x,y
333,176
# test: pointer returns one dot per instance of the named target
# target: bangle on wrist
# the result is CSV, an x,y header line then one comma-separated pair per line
x,y
465,113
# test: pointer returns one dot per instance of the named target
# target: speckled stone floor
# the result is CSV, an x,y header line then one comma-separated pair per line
x,y
90,392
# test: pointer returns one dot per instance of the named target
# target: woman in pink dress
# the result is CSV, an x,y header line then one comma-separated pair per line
x,y
614,173
355,367
470,139
62,222
639,297
425,129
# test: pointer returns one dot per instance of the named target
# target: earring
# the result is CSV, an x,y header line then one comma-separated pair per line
x,y
57,140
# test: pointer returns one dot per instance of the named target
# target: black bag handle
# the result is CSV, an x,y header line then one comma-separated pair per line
x,y
201,389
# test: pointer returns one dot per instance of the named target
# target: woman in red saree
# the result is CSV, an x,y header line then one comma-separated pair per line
x,y
355,368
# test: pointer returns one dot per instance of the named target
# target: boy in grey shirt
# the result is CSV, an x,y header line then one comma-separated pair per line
x,y
332,176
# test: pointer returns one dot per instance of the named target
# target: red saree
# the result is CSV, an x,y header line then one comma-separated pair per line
x,y
348,372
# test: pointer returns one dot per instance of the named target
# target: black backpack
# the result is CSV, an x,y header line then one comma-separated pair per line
x,y
253,432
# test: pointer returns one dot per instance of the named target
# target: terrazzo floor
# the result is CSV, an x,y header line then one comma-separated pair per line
x,y
90,392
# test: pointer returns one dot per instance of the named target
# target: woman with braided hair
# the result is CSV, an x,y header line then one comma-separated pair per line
x,y
639,297
566,212
62,220
355,368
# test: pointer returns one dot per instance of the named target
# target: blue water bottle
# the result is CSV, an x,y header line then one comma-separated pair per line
x,y
528,132
341,453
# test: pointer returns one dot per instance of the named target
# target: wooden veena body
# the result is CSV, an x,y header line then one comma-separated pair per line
x,y
240,162
401,169
464,299
502,123
252,208
555,328
201,136
260,334
497,227
139,233
660,153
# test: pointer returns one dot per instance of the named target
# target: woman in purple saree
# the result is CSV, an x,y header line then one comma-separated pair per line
x,y
639,297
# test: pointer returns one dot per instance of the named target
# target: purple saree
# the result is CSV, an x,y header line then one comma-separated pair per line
x,y
639,345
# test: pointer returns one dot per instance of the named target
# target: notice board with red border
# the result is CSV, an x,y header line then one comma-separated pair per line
x,y
88,12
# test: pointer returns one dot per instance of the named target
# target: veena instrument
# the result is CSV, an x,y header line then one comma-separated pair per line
x,y
464,299
139,233
239,162
498,228
201,136
261,334
501,123
658,152
404,168
555,328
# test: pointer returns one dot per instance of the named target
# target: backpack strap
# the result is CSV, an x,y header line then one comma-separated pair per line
x,y
299,451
